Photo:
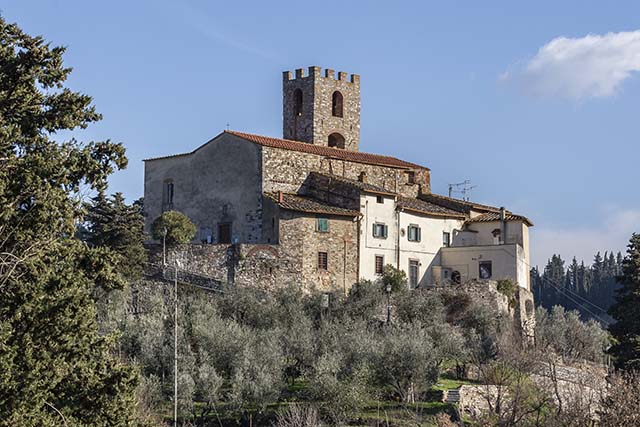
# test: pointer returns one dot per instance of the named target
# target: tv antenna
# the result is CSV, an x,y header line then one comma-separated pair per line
x,y
462,188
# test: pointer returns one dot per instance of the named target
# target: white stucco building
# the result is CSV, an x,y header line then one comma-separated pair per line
x,y
437,240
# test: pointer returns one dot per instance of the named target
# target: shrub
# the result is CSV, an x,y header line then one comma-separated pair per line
x,y
178,226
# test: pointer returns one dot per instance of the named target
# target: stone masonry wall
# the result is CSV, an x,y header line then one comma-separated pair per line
x,y
316,122
516,311
221,182
293,261
340,244
258,265
335,192
285,170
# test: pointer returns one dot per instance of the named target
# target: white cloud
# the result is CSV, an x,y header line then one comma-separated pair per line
x,y
578,68
583,243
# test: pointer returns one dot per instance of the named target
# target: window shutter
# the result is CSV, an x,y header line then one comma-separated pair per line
x,y
374,230
419,234
385,231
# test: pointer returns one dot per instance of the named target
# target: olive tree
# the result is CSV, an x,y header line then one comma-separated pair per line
x,y
406,360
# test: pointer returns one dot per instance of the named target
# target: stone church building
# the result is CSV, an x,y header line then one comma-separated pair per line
x,y
312,209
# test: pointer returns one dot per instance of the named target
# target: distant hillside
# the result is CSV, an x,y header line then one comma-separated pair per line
x,y
576,286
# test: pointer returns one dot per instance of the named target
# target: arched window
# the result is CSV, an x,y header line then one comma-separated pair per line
x,y
336,140
297,102
336,104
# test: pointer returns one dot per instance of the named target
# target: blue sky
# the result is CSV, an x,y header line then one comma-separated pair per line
x,y
545,125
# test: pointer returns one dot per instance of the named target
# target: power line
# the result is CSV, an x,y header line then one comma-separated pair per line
x,y
568,291
560,289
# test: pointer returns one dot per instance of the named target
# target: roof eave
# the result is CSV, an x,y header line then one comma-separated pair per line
x,y
438,214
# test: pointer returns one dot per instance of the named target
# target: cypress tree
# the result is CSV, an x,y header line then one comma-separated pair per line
x,y
55,368
113,224
626,310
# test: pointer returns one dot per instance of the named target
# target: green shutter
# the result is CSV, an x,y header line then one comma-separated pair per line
x,y
323,224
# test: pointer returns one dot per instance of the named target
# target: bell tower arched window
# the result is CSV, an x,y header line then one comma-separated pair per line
x,y
336,104
297,102
336,140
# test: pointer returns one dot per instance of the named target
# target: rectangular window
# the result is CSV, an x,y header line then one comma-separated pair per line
x,y
322,225
414,273
485,270
224,232
413,233
380,230
411,177
379,264
446,239
379,199
323,261
168,194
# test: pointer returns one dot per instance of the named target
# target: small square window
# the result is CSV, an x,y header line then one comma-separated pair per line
x,y
446,239
411,177
485,270
380,199
323,261
379,264
379,230
413,233
322,225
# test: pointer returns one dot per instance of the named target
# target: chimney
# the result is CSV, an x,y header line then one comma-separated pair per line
x,y
362,177
280,198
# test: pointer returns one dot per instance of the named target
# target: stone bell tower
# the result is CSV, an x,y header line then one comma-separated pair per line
x,y
320,109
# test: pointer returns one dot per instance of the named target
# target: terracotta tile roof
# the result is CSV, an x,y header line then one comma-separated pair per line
x,y
287,144
295,202
495,216
421,206
407,203
363,186
457,204
337,153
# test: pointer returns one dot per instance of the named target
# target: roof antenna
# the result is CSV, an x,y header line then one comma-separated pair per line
x,y
227,125
463,188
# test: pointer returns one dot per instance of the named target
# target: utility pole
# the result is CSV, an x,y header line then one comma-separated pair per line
x,y
175,347
164,248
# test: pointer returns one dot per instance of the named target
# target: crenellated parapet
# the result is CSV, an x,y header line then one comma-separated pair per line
x,y
321,107
315,72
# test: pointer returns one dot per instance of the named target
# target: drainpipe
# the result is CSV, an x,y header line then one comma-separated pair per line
x,y
503,226
398,237
344,266
358,248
